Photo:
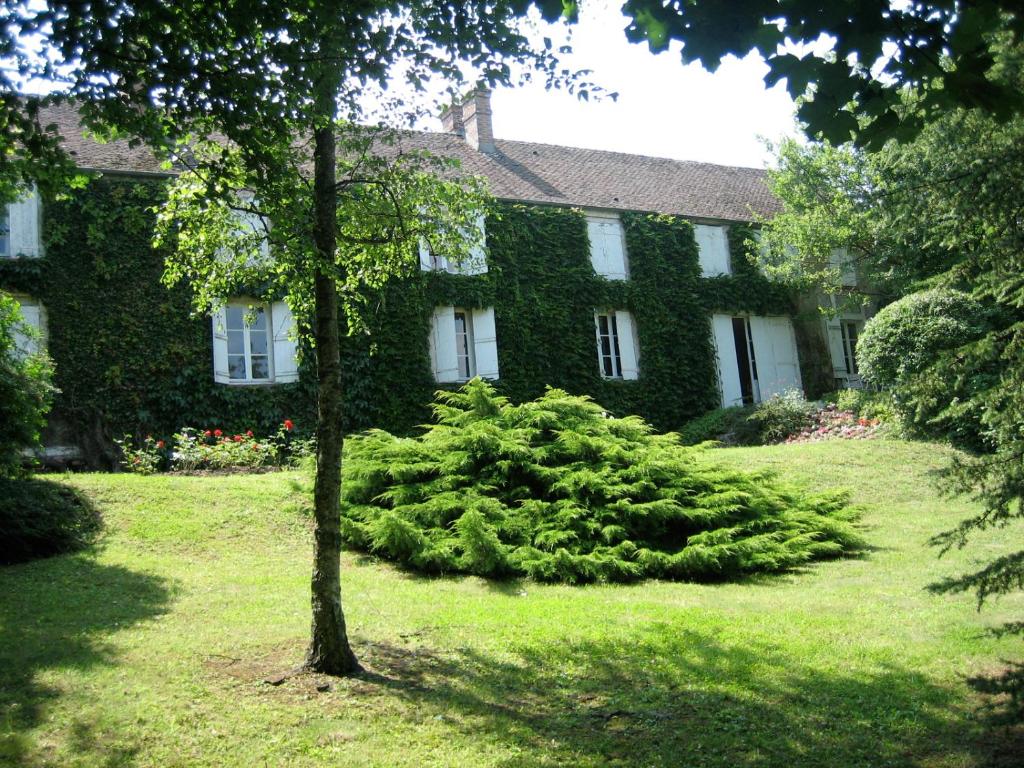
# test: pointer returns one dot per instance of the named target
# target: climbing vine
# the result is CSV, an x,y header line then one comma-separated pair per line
x,y
129,357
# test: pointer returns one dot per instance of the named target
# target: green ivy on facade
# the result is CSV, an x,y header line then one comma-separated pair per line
x,y
130,357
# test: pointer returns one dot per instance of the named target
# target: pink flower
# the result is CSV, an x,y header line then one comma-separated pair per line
x,y
160,443
217,433
237,438
248,433
288,424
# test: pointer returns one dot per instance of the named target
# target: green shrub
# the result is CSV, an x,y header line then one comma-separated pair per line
x,y
866,404
783,415
731,426
906,336
39,518
902,349
25,390
556,490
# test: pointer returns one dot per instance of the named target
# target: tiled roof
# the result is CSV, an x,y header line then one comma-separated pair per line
x,y
529,172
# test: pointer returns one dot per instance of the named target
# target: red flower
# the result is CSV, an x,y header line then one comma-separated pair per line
x,y
160,443
237,438
288,424
217,433
248,433
207,433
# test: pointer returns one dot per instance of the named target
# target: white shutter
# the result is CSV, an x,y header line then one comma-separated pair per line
x,y
713,249
425,262
485,343
24,223
286,363
220,347
778,365
607,247
33,320
627,345
728,368
476,262
442,345
834,333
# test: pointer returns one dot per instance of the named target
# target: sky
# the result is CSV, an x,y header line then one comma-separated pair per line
x,y
664,109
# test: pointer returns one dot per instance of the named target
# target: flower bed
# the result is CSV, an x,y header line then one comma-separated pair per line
x,y
831,422
193,450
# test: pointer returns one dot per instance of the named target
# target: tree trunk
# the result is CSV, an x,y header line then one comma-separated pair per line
x,y
329,650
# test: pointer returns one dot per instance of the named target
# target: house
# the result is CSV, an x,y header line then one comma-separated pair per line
x,y
621,276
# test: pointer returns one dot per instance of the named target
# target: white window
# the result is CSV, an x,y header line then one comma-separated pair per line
x,y
463,344
19,227
607,245
712,250
616,345
757,357
31,339
475,262
841,261
250,222
254,343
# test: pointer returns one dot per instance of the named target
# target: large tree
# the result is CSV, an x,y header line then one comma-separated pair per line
x,y
274,84
938,222
942,54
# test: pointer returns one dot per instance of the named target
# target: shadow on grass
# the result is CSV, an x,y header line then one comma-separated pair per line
x,y
59,614
669,697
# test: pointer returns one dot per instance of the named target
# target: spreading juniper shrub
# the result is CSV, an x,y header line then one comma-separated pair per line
x,y
556,490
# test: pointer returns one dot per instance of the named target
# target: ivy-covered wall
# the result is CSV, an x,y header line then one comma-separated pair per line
x,y
130,358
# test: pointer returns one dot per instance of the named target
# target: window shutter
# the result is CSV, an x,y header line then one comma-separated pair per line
x,y
24,221
250,222
778,366
442,345
425,263
485,343
476,262
34,316
834,332
713,249
607,247
220,347
627,346
286,363
728,368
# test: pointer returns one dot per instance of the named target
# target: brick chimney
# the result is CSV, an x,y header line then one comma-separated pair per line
x,y
476,119
451,119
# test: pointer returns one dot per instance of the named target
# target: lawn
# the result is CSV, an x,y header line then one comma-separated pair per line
x,y
152,649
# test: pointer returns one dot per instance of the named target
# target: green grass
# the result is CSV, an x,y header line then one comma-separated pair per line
x,y
152,649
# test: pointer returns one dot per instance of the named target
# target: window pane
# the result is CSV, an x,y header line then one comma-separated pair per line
x,y
260,367
602,324
235,317
236,343
5,231
258,341
236,366
259,322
